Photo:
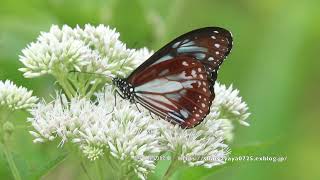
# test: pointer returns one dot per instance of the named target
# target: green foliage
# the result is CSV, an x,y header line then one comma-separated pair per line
x,y
43,170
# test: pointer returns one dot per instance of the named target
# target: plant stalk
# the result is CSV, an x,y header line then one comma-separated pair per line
x,y
12,165
99,170
174,165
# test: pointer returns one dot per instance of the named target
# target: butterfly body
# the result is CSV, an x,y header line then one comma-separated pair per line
x,y
126,89
177,82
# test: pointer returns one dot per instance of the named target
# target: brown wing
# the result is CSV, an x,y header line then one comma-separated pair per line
x,y
180,93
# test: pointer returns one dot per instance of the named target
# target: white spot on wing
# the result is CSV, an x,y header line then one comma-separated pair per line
x,y
188,44
185,63
177,77
194,73
174,96
191,49
176,117
183,92
210,59
217,45
200,56
199,83
175,44
152,99
213,37
164,58
163,72
160,86
184,113
188,84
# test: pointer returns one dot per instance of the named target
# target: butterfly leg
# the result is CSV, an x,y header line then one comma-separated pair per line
x,y
137,107
127,57
115,103
167,119
117,92
151,115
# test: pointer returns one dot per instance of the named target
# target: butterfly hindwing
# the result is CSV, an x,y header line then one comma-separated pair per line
x,y
176,90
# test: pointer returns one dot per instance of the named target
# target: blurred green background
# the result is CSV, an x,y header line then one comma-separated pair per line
x,y
274,64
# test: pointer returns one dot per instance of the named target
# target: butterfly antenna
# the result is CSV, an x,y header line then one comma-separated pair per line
x,y
135,44
123,63
99,74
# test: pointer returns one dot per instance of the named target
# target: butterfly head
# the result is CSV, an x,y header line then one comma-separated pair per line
x,y
125,88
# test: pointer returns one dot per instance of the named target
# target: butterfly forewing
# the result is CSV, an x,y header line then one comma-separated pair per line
x,y
176,82
209,45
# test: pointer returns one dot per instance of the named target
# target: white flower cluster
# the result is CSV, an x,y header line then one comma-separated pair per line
x,y
95,126
91,49
229,105
128,138
128,135
200,146
15,97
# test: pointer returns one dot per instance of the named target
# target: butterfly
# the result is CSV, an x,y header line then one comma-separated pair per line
x,y
177,82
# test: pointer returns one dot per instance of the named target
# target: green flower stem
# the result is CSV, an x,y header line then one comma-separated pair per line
x,y
125,172
64,86
65,89
87,84
114,166
120,169
85,170
12,165
174,165
83,83
93,88
6,131
75,84
70,87
99,170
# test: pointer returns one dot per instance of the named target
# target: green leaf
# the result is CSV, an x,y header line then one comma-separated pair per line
x,y
37,174
160,170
